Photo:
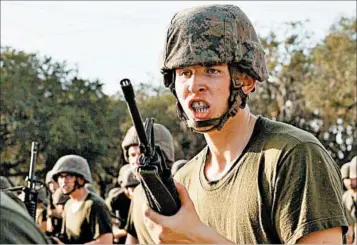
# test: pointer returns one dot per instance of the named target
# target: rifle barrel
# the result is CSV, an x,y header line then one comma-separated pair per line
x,y
129,95
31,177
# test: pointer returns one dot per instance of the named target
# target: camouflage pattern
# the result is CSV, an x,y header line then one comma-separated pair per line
x,y
353,168
72,164
49,177
163,139
4,183
126,177
214,34
345,170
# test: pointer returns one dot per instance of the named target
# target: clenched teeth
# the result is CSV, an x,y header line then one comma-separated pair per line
x,y
198,105
201,110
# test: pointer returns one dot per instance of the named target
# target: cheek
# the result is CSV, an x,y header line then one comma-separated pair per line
x,y
180,91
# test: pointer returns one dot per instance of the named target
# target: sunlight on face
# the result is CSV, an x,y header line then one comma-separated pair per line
x,y
203,91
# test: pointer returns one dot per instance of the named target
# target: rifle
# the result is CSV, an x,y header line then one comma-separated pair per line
x,y
30,192
154,175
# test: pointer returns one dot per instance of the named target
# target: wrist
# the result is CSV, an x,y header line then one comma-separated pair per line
x,y
209,235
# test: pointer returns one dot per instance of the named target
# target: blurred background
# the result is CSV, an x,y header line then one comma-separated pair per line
x,y
61,63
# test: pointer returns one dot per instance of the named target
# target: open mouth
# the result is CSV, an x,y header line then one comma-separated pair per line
x,y
199,106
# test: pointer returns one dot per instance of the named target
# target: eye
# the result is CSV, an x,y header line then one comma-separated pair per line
x,y
212,71
185,73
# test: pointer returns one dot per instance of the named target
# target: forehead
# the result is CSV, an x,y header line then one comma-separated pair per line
x,y
203,66
134,149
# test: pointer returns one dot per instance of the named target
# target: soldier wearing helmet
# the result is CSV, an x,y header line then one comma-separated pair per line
x,y
119,200
257,180
54,218
349,172
163,139
85,216
135,226
41,209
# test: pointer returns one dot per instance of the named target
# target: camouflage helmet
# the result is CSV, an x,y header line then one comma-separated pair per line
x,y
163,139
126,177
4,183
49,177
345,171
212,35
353,168
73,164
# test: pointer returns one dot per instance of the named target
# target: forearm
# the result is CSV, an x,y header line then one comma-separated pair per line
x,y
207,235
131,239
106,238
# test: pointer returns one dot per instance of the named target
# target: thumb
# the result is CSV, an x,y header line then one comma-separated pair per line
x,y
152,215
183,194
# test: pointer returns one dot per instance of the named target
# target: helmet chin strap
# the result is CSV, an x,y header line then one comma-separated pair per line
x,y
237,97
76,187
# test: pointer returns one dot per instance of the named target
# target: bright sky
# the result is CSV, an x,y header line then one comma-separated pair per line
x,y
116,39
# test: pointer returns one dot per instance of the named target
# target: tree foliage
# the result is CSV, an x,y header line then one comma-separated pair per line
x,y
311,87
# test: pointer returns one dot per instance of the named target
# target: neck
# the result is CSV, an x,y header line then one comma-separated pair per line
x,y
228,144
79,194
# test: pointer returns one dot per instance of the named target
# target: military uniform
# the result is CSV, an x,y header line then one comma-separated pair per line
x,y
274,193
90,221
135,224
92,218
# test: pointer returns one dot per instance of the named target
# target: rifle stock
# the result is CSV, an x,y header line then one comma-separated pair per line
x,y
154,175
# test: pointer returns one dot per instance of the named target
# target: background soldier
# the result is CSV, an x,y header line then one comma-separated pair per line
x,y
137,232
119,202
349,175
86,218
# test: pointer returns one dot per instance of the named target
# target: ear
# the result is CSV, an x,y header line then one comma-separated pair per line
x,y
80,180
249,83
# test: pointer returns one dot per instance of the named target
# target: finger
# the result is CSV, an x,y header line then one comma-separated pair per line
x,y
152,215
183,194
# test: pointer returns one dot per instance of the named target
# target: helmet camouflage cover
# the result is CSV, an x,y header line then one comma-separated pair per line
x,y
73,164
212,35
163,139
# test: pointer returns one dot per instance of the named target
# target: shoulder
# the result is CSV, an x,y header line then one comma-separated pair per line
x,y
94,200
283,133
282,141
191,168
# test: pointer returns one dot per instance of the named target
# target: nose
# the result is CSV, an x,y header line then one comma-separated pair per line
x,y
195,85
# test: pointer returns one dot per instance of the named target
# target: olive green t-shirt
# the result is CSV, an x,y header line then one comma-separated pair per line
x,y
90,221
135,224
282,187
16,225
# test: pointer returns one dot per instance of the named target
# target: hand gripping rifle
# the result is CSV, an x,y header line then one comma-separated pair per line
x,y
154,175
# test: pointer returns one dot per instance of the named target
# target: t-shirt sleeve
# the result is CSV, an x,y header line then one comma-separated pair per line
x,y
307,193
129,227
100,217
